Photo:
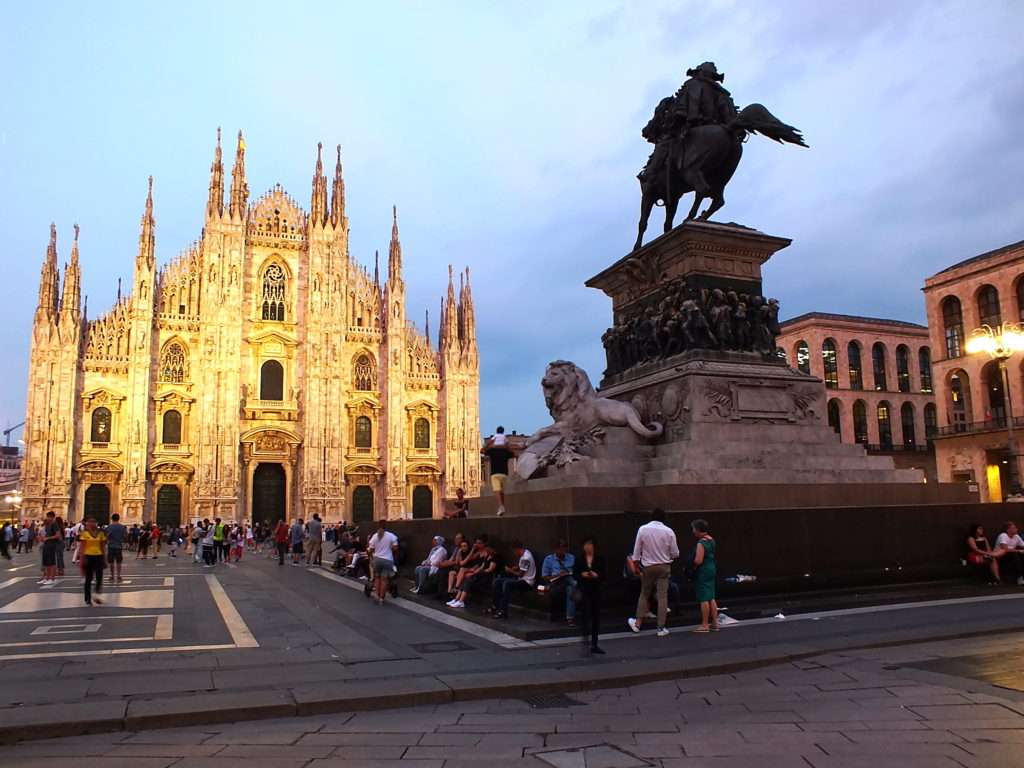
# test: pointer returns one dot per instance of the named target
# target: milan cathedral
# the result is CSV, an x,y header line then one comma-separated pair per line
x,y
261,374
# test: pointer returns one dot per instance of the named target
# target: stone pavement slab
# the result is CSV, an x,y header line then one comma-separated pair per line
x,y
681,730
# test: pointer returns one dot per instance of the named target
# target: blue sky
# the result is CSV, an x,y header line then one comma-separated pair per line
x,y
508,135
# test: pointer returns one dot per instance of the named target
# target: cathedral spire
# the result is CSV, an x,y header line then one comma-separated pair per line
x,y
70,300
395,250
49,278
376,269
147,239
239,186
215,201
318,204
338,194
450,315
468,315
426,327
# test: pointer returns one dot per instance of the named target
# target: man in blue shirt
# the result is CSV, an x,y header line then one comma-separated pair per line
x,y
557,572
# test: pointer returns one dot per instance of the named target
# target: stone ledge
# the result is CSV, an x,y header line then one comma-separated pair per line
x,y
326,698
171,712
26,723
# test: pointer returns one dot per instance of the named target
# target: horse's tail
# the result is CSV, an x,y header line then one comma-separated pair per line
x,y
757,119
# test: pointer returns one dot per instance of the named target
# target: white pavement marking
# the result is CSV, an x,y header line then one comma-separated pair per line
x,y
10,582
120,651
815,616
53,601
236,625
71,642
164,627
470,628
65,629
23,567
84,618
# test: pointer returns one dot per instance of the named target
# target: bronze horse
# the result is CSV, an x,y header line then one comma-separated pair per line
x,y
711,154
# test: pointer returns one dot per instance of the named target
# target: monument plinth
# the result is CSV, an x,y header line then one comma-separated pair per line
x,y
712,255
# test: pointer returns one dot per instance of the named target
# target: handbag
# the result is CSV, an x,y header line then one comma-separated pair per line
x,y
975,558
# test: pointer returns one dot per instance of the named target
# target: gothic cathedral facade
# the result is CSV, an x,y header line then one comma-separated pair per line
x,y
261,374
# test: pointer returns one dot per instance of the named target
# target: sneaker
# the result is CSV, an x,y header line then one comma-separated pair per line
x,y
501,511
451,603
43,581
663,632
459,604
633,624
650,616
598,651
414,591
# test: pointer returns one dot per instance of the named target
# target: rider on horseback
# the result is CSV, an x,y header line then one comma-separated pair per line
x,y
700,101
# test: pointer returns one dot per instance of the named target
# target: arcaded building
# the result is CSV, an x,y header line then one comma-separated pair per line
x,y
971,442
878,376
261,374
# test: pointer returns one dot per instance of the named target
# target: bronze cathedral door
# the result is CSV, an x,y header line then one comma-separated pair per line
x,y
268,493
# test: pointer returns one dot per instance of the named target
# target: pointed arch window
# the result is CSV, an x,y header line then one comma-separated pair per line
x,y
273,294
174,363
364,374
99,429
421,434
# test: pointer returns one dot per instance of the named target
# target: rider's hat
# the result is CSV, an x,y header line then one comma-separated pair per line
x,y
707,68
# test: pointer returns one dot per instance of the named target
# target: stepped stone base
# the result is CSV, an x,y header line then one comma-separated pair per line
x,y
738,433
741,429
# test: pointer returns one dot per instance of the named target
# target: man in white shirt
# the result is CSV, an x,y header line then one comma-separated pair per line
x,y
521,576
382,547
653,552
1010,552
430,565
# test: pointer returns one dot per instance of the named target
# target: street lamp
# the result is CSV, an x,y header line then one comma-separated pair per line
x,y
999,344
13,500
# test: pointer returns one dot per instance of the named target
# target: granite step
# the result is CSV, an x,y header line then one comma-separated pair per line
x,y
776,476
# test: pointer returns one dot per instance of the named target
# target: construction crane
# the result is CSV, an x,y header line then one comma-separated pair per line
x,y
7,433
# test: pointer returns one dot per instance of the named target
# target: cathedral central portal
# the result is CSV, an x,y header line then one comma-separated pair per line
x,y
268,493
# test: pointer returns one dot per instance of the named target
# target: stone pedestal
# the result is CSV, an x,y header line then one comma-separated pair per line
x,y
739,427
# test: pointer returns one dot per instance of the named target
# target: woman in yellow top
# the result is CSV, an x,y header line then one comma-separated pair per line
x,y
93,552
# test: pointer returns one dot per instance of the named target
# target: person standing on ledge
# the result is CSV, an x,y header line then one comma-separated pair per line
x,y
653,552
706,573
497,451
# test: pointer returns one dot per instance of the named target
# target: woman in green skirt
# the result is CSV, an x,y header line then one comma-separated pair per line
x,y
706,572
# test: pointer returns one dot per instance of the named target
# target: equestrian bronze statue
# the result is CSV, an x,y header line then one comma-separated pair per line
x,y
698,137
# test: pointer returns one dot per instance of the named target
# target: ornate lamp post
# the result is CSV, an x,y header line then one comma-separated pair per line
x,y
999,344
